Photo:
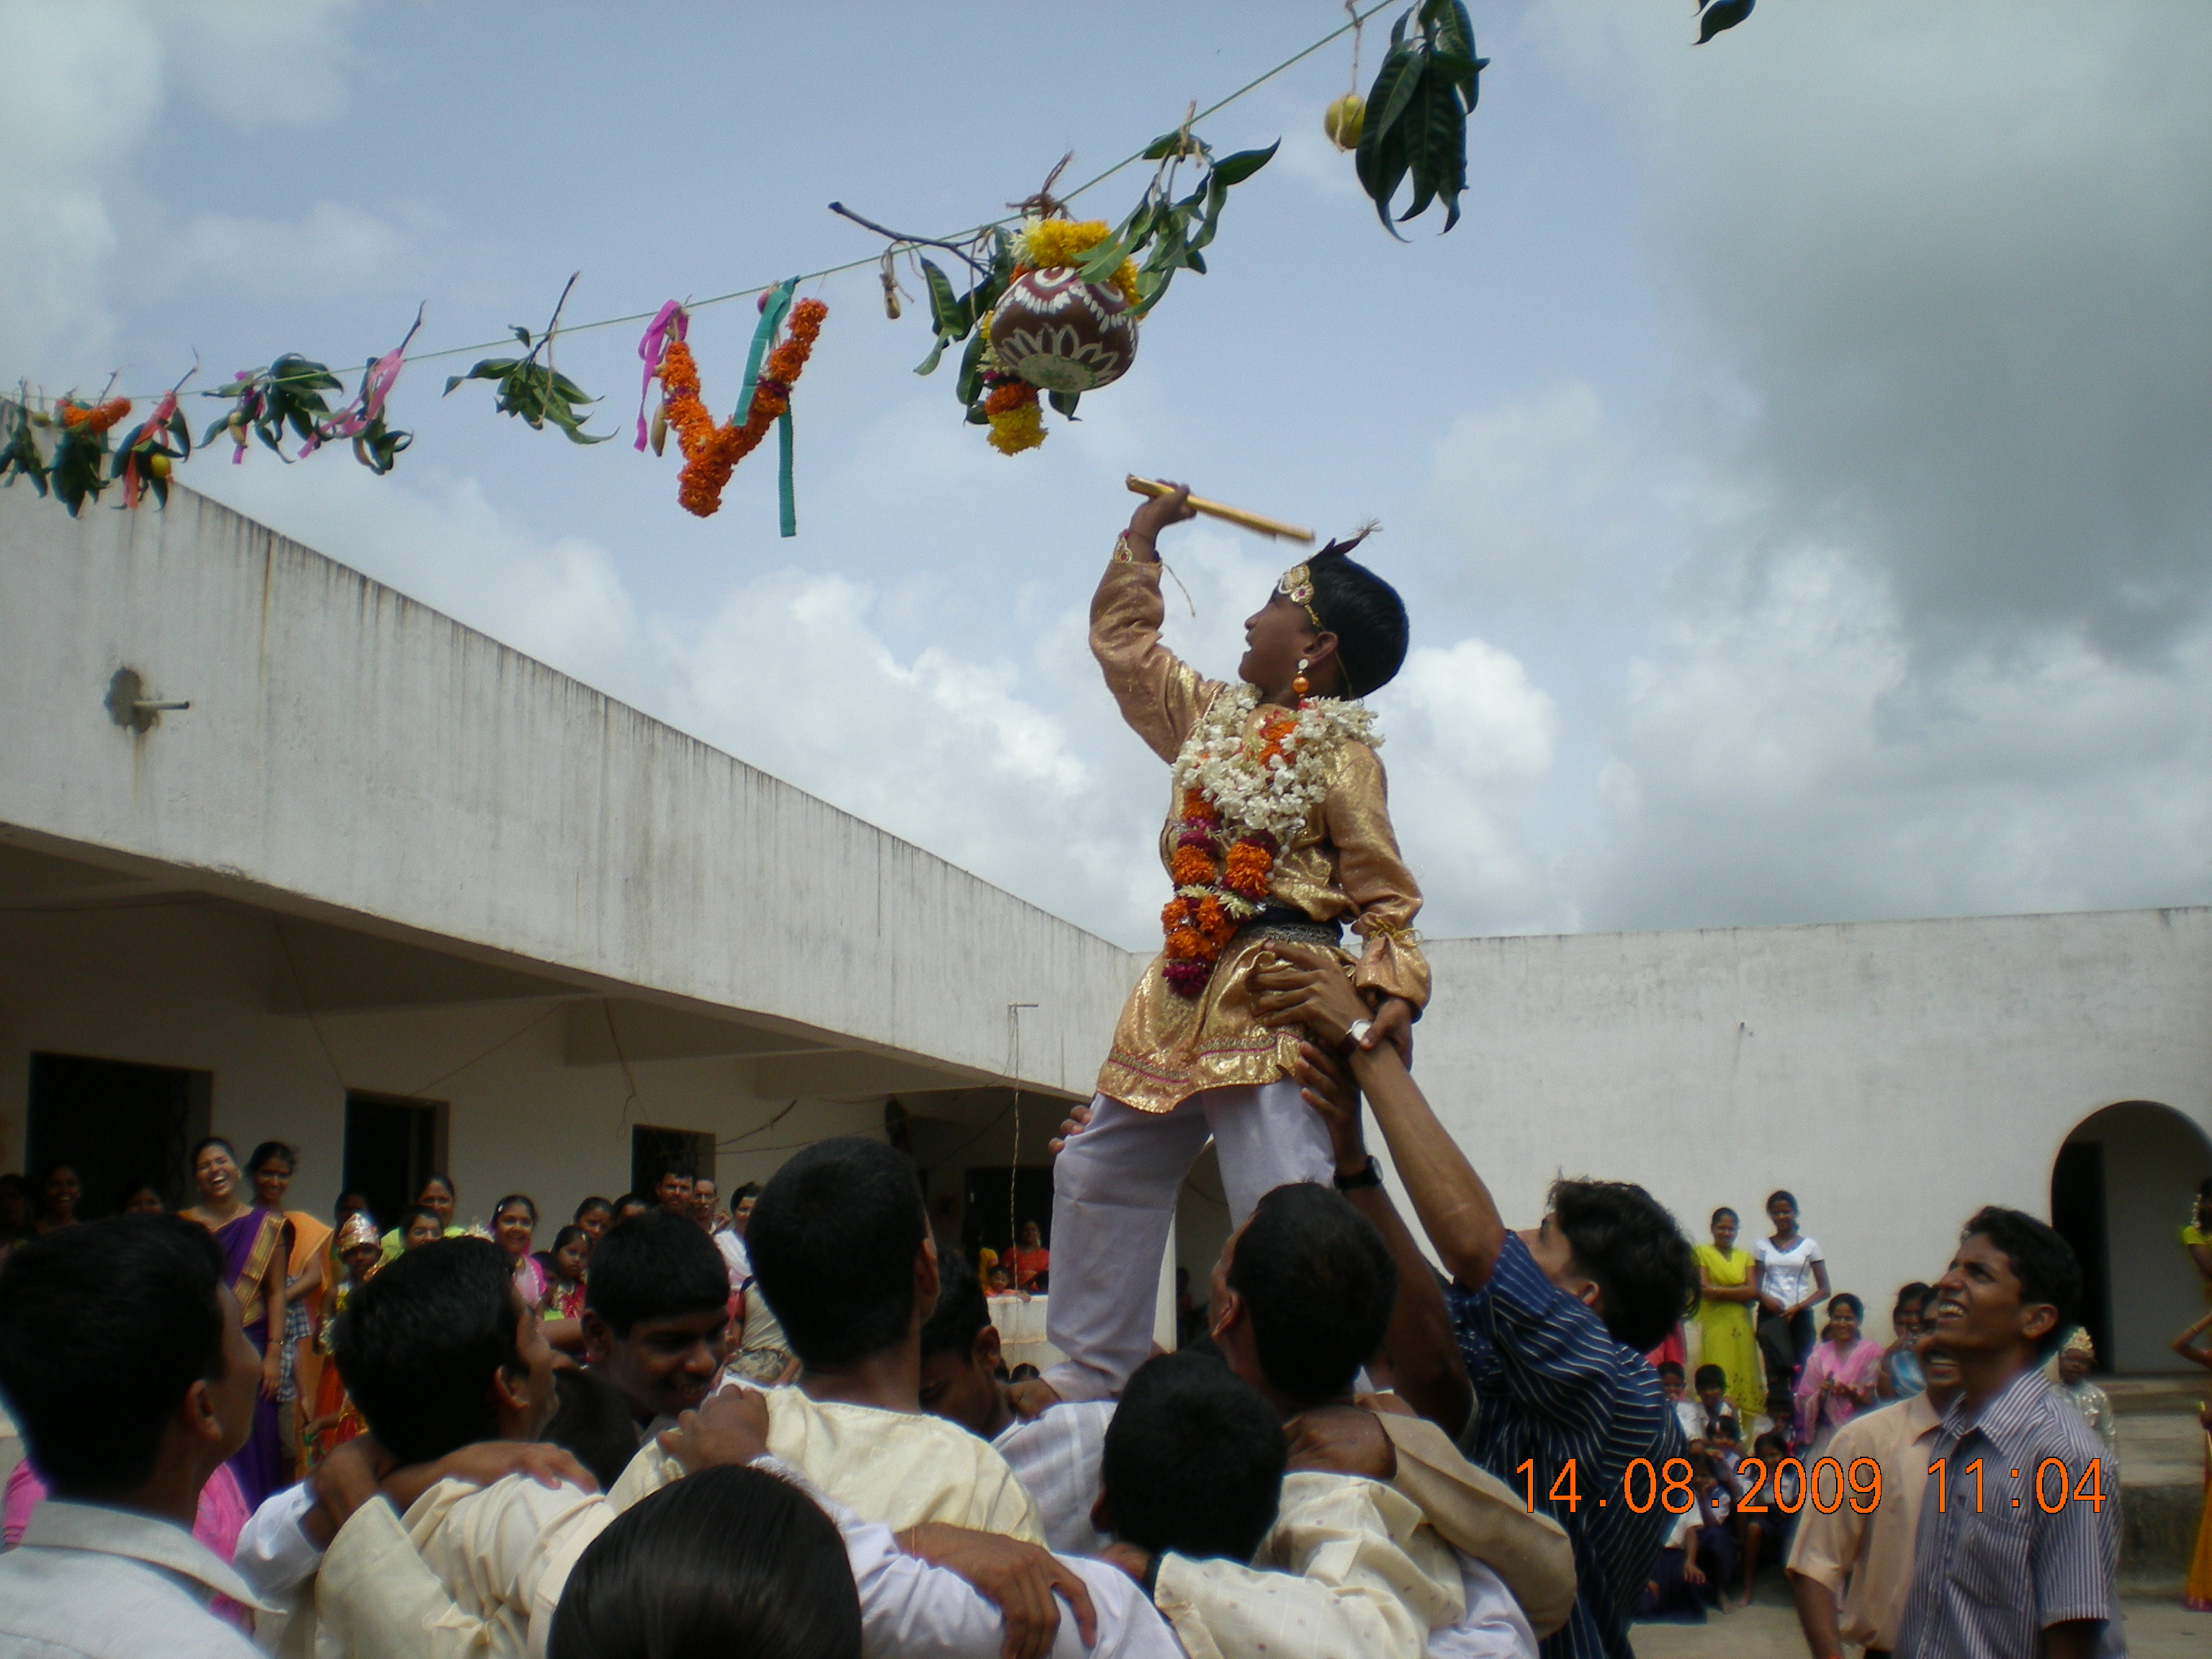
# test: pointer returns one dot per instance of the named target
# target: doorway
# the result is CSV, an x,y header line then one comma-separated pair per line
x,y
117,1124
996,1199
653,1148
391,1145
2121,1189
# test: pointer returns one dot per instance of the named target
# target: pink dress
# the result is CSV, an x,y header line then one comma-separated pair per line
x,y
1818,1416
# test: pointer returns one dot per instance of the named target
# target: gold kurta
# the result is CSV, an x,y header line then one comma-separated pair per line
x,y
1342,865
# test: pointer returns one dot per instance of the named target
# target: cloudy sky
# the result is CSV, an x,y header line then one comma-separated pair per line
x,y
1798,462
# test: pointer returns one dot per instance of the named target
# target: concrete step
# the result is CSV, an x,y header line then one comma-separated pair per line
x,y
2162,1463
2180,1391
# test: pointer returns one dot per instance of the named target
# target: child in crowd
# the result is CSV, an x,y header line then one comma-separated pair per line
x,y
1713,1408
656,1309
1901,1375
2075,1360
336,1420
841,1247
1766,1532
419,1225
564,1294
1686,1410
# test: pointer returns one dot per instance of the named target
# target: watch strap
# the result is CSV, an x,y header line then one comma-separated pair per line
x,y
1370,1176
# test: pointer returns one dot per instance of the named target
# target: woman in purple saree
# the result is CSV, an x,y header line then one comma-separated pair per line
x,y
255,1251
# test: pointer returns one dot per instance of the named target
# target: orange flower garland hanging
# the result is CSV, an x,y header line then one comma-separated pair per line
x,y
712,452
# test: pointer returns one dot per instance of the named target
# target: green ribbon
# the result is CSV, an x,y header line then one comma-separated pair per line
x,y
772,316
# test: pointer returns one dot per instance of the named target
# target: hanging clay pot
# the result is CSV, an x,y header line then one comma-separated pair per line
x,y
1063,334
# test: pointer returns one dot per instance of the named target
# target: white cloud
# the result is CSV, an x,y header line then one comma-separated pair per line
x,y
334,246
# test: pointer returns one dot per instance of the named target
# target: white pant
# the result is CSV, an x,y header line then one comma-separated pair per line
x,y
1114,1195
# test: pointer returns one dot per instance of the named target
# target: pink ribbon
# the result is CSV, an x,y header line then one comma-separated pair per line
x,y
671,318
375,387
155,422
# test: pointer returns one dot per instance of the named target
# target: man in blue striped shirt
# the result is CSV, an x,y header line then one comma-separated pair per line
x,y
1552,1323
2019,1538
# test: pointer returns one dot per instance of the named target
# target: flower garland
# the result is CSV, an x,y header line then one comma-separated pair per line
x,y
712,452
1011,405
1256,795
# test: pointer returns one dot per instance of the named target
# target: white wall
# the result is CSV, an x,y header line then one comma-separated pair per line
x,y
353,754
1895,1075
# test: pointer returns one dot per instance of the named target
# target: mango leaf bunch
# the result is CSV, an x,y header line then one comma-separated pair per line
x,y
19,457
1416,116
534,392
265,403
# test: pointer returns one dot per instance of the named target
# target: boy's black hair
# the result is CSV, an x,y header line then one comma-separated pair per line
x,y
655,1265
104,1326
961,1312
593,1424
1319,1283
1194,1460
2043,1262
832,1240
407,1220
674,1164
1666,1365
1711,1376
419,1342
1365,614
731,1561
1626,1240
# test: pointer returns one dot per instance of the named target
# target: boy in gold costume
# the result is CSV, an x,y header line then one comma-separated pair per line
x,y
1278,830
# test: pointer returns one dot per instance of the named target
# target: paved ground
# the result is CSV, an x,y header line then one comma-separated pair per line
x,y
1768,1629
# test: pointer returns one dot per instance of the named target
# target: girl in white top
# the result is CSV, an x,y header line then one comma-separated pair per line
x,y
1789,1276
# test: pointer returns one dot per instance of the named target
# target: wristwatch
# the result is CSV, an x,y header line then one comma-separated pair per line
x,y
1356,1034
1370,1176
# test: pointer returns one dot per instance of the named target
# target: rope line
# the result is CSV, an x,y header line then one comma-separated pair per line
x,y
874,259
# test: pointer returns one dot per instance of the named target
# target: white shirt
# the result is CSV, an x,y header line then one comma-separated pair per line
x,y
1492,1627
732,1244
274,1555
1056,1455
909,1607
1787,1275
89,1582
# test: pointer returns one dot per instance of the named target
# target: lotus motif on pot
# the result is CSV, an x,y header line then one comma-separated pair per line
x,y
1060,332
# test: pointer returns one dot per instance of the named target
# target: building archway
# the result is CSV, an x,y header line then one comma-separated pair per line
x,y
2120,1193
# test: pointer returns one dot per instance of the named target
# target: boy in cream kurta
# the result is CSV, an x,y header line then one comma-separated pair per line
x,y
841,1249
1278,828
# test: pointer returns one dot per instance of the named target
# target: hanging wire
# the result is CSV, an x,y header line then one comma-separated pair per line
x,y
1351,26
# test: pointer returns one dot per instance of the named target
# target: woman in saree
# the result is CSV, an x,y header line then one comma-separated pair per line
x,y
255,1253
270,1169
1725,1299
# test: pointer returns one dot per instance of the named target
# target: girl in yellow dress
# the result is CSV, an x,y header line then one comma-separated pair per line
x,y
1724,1305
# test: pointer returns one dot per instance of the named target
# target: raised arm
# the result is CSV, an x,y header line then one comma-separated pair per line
x,y
2185,1344
1454,1207
1160,695
1425,1355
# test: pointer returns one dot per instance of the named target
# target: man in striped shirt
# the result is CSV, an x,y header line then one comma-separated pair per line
x,y
1552,1323
2019,1536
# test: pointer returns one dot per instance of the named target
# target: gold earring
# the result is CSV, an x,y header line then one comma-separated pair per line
x,y
1298,686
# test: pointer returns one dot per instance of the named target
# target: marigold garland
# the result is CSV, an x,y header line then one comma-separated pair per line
x,y
712,452
1252,794
93,417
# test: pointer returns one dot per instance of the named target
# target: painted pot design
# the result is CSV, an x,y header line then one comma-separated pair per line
x,y
1063,334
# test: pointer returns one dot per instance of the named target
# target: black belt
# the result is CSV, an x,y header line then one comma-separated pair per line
x,y
1285,922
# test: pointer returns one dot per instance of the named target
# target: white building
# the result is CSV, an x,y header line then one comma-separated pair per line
x,y
402,896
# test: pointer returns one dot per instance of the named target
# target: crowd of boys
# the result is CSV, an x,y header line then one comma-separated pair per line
x,y
1259,1495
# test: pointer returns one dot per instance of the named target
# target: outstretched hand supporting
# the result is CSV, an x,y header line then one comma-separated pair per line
x,y
1300,985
